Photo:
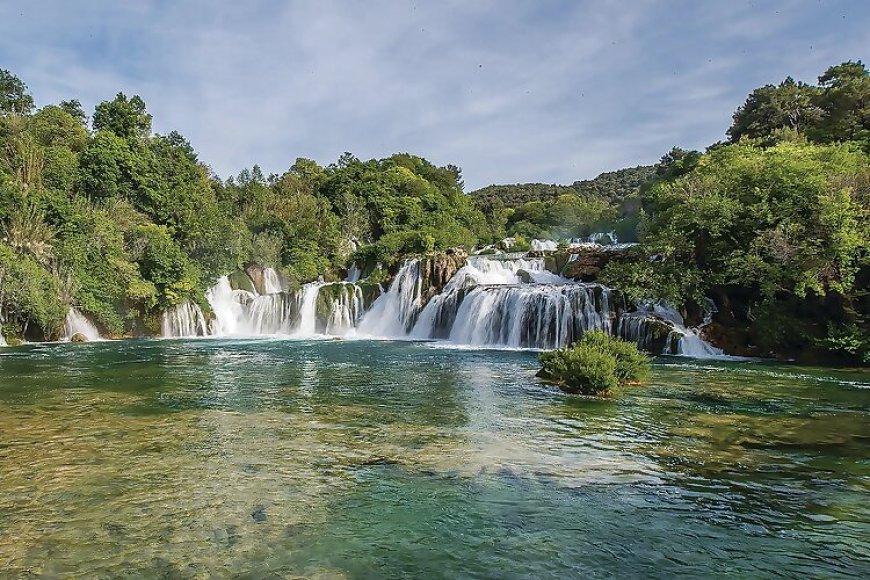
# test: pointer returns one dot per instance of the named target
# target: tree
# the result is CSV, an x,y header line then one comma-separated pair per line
x,y
790,105
74,108
126,118
13,95
53,126
846,103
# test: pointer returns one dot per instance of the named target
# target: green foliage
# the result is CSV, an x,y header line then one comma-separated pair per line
x,y
29,295
632,366
611,187
595,365
126,118
838,109
566,216
166,266
13,95
780,223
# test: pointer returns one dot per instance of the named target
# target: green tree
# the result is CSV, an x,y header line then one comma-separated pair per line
x,y
14,97
846,103
769,109
126,118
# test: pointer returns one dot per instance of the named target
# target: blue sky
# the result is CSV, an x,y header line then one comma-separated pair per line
x,y
520,91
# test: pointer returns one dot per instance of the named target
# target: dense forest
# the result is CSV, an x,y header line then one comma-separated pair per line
x,y
101,213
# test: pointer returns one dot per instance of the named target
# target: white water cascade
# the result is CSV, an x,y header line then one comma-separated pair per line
x,y
647,325
271,282
505,300
347,310
318,308
308,309
394,312
184,320
513,303
77,323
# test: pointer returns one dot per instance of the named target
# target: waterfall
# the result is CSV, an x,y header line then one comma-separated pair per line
x,y
498,270
514,303
77,323
271,282
493,300
533,315
347,309
228,306
308,309
660,328
353,274
598,237
185,319
394,312
544,245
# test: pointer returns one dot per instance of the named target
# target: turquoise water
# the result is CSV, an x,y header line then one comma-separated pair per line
x,y
344,459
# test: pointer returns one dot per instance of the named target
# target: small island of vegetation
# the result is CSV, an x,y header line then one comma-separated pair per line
x,y
595,365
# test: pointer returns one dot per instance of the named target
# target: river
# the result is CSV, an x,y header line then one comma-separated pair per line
x,y
381,459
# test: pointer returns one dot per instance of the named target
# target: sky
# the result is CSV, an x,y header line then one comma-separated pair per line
x,y
510,91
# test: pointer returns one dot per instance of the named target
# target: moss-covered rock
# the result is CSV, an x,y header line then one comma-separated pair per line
x,y
371,291
525,276
255,273
438,268
241,280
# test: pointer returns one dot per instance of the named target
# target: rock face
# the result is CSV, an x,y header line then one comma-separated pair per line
x,y
437,269
587,265
649,332
241,280
256,276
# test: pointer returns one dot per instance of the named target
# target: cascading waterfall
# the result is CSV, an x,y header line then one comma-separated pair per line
x,y
514,303
544,245
531,315
353,274
662,325
77,323
271,281
394,312
493,300
184,320
308,309
347,309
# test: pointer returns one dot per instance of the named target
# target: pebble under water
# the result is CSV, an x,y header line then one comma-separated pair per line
x,y
365,459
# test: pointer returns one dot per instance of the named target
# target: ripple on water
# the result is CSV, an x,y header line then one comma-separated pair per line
x,y
354,458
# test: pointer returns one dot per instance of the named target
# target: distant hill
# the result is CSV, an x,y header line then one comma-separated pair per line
x,y
613,186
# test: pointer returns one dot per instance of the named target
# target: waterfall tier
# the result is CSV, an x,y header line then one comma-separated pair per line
x,y
77,323
507,301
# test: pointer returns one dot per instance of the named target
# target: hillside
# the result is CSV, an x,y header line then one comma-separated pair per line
x,y
612,186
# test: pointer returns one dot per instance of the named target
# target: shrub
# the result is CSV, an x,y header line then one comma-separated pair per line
x,y
594,365
632,366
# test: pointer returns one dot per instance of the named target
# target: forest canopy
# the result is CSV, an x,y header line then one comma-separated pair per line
x,y
103,214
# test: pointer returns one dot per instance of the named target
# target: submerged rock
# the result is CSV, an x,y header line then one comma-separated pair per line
x,y
259,514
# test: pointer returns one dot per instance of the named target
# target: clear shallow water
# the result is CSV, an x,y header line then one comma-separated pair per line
x,y
357,459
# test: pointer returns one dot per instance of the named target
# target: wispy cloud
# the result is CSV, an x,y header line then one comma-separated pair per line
x,y
511,91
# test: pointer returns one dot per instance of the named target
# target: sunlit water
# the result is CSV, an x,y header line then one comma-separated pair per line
x,y
342,459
